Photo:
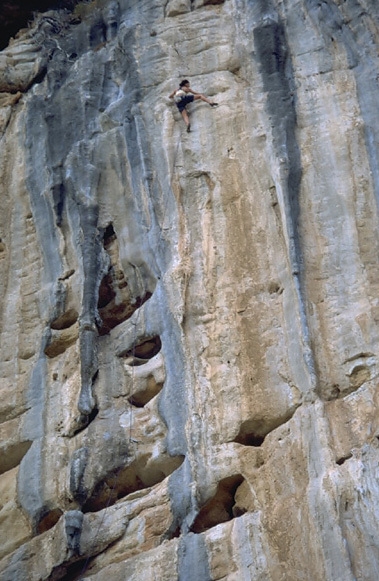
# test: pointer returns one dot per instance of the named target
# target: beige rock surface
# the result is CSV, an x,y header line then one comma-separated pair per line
x,y
189,321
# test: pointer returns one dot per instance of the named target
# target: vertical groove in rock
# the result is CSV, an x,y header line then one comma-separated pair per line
x,y
273,55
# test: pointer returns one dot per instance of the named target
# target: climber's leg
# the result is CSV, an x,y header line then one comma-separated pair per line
x,y
186,119
206,100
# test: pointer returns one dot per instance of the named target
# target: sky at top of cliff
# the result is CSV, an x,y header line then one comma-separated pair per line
x,y
15,14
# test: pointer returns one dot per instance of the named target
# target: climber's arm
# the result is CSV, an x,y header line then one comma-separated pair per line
x,y
193,92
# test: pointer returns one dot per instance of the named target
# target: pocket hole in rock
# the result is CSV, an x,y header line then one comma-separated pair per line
x,y
250,440
137,476
48,520
65,320
109,235
84,421
71,571
115,303
143,351
253,431
248,435
218,509
141,398
343,459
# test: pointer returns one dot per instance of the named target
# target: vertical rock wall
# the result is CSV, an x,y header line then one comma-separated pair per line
x,y
189,322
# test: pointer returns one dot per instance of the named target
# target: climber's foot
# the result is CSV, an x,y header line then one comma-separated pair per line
x,y
213,104
188,127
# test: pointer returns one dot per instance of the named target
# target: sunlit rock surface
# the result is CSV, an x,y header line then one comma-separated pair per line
x,y
189,321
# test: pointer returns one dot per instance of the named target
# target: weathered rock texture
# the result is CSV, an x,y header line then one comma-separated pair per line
x,y
189,322
16,14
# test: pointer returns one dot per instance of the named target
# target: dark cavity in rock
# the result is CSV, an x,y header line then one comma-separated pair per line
x,y
143,351
48,519
137,476
16,14
218,509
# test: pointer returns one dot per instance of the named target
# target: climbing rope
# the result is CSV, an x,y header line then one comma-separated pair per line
x,y
131,440
133,372
131,417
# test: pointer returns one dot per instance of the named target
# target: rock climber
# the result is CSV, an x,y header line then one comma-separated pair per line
x,y
185,95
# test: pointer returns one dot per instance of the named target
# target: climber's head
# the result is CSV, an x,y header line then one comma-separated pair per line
x,y
184,84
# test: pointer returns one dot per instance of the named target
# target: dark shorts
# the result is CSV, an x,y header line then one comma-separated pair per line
x,y
182,104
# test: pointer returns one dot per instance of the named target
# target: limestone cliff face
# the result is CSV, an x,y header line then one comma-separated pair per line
x,y
189,322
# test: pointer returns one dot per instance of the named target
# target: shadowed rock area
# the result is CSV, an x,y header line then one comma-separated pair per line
x,y
16,14
189,321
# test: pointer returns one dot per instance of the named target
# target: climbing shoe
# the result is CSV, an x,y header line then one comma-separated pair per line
x,y
213,104
189,128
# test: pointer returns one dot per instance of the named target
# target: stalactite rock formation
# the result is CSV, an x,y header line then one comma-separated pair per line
x,y
190,321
